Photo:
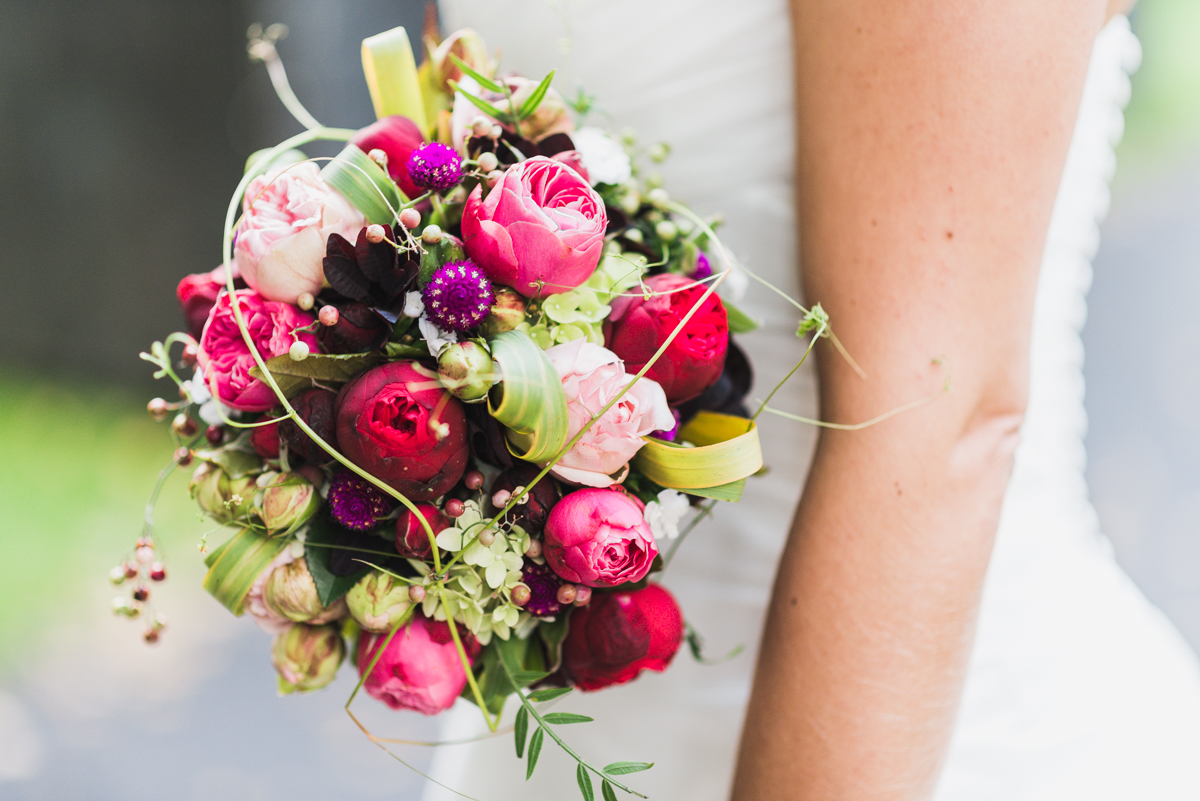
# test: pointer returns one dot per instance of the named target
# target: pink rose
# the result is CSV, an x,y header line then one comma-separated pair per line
x,y
225,359
574,160
287,216
540,222
599,537
591,376
420,669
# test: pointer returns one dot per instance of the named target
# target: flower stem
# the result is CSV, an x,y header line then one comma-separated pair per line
x,y
466,662
791,373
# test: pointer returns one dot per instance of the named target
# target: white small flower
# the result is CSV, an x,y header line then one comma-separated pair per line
x,y
413,305
663,515
603,157
197,389
214,412
435,337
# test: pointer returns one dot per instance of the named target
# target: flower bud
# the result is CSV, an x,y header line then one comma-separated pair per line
x,y
158,409
378,601
507,312
288,502
291,592
467,47
411,539
221,497
307,657
466,370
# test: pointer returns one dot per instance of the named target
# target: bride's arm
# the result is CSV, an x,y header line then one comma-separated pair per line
x,y
931,138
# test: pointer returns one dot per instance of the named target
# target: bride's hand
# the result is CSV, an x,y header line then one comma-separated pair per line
x,y
931,139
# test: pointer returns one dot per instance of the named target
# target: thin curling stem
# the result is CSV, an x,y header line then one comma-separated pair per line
x,y
705,511
339,135
854,426
264,50
466,661
791,372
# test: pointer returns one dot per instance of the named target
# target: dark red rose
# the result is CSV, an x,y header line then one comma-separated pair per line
x,y
636,329
398,137
265,439
620,634
316,408
358,329
198,294
397,422
532,514
411,539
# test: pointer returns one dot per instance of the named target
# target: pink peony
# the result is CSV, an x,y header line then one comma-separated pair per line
x,y
225,359
591,376
599,537
540,223
574,160
287,216
420,669
198,292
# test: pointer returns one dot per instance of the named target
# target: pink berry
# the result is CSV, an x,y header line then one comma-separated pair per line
x,y
454,508
583,594
214,434
473,479
140,593
416,593
534,550
183,456
410,218
375,234
328,315
519,595
501,498
157,572
566,594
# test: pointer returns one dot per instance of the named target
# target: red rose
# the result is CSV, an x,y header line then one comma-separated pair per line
x,y
198,294
636,329
265,439
398,137
620,634
397,422
411,539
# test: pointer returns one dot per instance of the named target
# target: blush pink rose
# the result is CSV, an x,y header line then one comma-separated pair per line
x,y
420,669
225,359
574,160
599,537
540,223
591,376
287,216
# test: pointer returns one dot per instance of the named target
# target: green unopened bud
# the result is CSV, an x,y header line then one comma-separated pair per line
x,y
221,497
291,592
466,370
288,502
507,312
307,657
378,601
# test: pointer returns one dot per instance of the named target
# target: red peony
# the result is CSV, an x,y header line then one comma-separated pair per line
x,y
397,422
411,539
197,295
636,329
620,634
398,137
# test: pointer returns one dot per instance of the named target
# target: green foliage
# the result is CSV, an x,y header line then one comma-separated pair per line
x,y
622,768
535,750
530,400
480,78
739,321
549,694
294,376
585,782
239,564
520,730
330,587
565,718
364,184
534,100
607,791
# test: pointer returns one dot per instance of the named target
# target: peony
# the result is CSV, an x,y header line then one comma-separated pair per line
x,y
398,423
540,223
197,295
420,669
693,362
225,359
287,215
599,537
397,137
591,376
619,635
411,538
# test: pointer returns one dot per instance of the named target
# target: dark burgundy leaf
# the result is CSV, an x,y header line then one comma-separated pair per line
x,y
341,269
486,436
555,143
617,221
374,259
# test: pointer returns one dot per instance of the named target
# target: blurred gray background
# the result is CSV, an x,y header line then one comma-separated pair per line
x,y
124,127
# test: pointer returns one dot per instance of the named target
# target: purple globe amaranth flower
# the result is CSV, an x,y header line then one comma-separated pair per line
x,y
356,503
543,586
458,296
703,267
435,166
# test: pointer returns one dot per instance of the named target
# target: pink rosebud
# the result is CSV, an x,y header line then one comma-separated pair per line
x,y
619,635
600,538
287,216
398,423
198,294
591,376
420,669
398,137
540,223
693,362
226,361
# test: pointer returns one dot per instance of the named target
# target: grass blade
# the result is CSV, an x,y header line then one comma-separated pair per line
x,y
534,100
486,83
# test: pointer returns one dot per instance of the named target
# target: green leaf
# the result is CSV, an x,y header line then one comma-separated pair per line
x,y
329,586
391,73
435,256
549,694
739,321
607,791
294,377
240,562
563,718
398,350
520,729
529,400
585,783
535,750
485,107
534,100
364,184
726,492
696,646
621,768
234,461
552,634
485,82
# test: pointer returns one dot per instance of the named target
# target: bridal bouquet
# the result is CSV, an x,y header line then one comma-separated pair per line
x,y
452,394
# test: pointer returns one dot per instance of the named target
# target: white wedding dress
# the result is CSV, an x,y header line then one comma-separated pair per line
x,y
1078,687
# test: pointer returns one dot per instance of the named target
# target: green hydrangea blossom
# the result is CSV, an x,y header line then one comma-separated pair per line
x,y
580,313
